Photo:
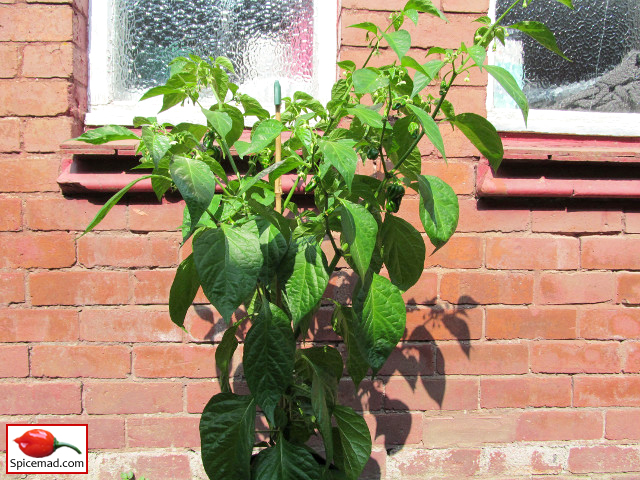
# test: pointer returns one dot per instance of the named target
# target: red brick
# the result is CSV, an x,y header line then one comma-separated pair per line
x,y
127,397
402,428
575,357
9,133
11,208
40,398
104,433
457,145
521,392
46,134
56,213
79,288
459,252
11,287
573,221
443,324
483,287
14,361
477,216
48,60
531,323
30,250
163,432
467,6
604,458
36,23
623,424
424,292
459,175
370,394
614,253
9,60
31,325
468,429
629,288
27,173
606,391
533,253
199,394
455,463
555,425
482,359
385,5
632,222
33,97
609,323
469,98
104,361
191,361
128,251
408,359
204,323
152,286
632,357
165,217
583,287
431,393
128,324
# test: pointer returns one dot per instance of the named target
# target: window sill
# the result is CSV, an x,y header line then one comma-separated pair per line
x,y
563,166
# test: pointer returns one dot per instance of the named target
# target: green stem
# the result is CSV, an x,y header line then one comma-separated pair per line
x,y
498,21
290,194
57,444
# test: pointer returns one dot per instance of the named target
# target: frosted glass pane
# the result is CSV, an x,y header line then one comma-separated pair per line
x,y
602,37
265,40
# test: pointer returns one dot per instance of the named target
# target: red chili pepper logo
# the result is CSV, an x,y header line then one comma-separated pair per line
x,y
39,443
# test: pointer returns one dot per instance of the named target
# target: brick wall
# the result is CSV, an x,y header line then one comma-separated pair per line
x,y
522,352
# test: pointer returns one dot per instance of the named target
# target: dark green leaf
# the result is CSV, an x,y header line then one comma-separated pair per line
x,y
109,133
227,434
195,183
511,86
483,135
224,353
541,34
439,210
285,461
425,6
347,327
403,251
352,441
342,157
430,127
359,231
183,290
367,115
262,136
268,357
171,100
399,41
247,183
220,121
273,246
368,80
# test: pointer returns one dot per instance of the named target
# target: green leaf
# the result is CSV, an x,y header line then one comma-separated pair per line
x,y
249,182
227,431
541,34
224,353
109,133
341,155
237,124
252,107
262,136
439,210
368,80
226,63
347,65
285,461
268,357
156,91
304,273
157,144
425,6
485,20
412,15
189,226
220,83
478,54
421,81
352,441
183,290
140,121
220,121
381,311
430,128
568,3
228,260
359,232
367,115
403,251
511,86
195,182
273,246
411,62
171,100
399,41
346,325
483,135
370,27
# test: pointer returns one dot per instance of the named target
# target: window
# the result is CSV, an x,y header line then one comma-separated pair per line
x,y
598,93
294,41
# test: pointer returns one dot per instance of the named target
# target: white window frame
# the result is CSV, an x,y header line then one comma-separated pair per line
x,y
103,110
558,121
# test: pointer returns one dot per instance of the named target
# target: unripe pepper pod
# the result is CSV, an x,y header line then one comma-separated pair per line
x,y
40,443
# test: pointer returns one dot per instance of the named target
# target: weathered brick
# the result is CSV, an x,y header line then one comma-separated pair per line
x,y
11,287
521,392
33,97
531,323
628,288
40,398
199,394
609,323
57,213
154,465
128,397
533,253
36,23
606,391
486,287
14,361
479,216
583,287
482,359
459,175
453,463
79,288
9,60
431,393
38,325
9,135
555,425
466,6
631,357
128,250
46,134
191,361
576,221
632,222
443,324
408,359
45,250
164,217
385,5
400,428
160,432
468,429
613,253
459,252
623,424
575,357
152,286
112,361
11,219
604,458
104,432
48,60
370,394
128,324
27,173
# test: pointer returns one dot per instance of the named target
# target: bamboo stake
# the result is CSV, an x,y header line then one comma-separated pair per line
x,y
278,185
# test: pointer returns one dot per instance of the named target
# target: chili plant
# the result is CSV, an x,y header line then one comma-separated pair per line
x,y
250,256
